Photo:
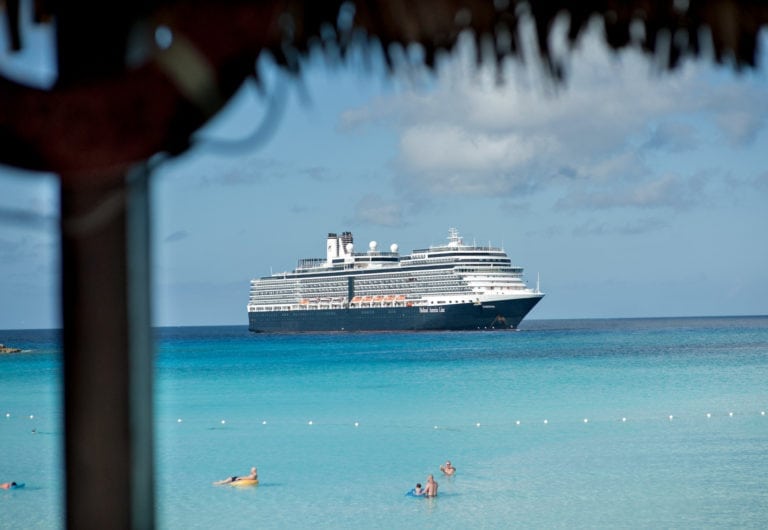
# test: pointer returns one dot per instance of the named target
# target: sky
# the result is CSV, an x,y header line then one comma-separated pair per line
x,y
627,191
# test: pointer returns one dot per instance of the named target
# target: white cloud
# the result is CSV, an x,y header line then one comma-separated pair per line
x,y
599,132
667,191
592,227
435,148
740,126
673,137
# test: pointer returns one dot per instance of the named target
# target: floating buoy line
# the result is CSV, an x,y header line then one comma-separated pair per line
x,y
586,420
490,425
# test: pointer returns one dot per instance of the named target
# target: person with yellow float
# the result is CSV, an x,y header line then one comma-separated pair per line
x,y
252,479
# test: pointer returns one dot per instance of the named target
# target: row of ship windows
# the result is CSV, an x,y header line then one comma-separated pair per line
x,y
495,271
490,266
400,278
384,286
454,260
393,289
379,280
389,286
374,284
379,285
262,297
368,290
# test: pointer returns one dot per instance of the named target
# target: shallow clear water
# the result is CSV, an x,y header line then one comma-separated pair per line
x,y
387,409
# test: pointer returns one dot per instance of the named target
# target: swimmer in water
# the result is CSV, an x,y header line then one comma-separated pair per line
x,y
448,468
430,490
7,485
253,475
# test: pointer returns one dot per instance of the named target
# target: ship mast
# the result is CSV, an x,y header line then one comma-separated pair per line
x,y
454,240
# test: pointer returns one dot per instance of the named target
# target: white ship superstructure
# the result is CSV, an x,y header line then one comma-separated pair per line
x,y
431,280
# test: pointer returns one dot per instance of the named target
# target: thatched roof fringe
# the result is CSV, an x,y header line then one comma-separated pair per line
x,y
669,31
118,114
671,27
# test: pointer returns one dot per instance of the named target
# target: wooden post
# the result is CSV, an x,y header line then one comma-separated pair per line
x,y
108,355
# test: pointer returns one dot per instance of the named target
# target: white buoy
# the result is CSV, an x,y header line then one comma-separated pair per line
x,y
7,414
477,424
357,424
546,421
623,418
517,422
264,422
586,420
435,426
178,420
709,415
762,413
31,416
671,417
309,422
223,422
730,414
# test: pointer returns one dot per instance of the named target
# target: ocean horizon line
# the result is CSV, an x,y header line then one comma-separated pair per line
x,y
522,324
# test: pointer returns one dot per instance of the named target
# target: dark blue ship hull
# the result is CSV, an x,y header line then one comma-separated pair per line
x,y
503,314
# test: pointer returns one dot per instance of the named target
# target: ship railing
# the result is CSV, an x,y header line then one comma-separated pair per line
x,y
310,263
375,253
459,248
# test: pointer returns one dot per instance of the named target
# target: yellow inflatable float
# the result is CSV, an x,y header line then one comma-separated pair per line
x,y
245,482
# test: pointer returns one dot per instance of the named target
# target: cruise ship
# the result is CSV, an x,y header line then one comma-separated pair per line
x,y
453,286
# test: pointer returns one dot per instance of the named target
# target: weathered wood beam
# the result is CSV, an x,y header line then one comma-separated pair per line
x,y
108,355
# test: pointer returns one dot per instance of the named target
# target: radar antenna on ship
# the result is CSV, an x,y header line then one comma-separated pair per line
x,y
454,240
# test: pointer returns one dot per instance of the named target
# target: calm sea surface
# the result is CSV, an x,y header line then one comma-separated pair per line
x,y
636,423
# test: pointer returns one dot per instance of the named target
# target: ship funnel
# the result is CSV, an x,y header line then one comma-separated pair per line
x,y
331,248
338,246
346,239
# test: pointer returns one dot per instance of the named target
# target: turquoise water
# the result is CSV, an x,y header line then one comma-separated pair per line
x,y
565,424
